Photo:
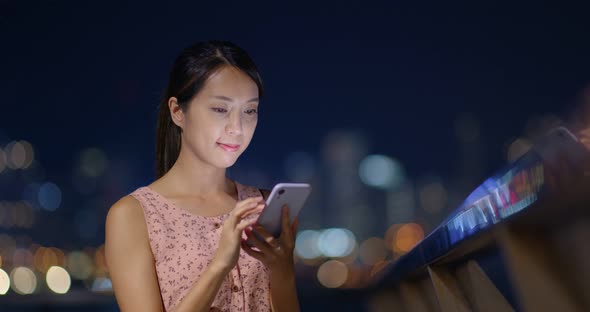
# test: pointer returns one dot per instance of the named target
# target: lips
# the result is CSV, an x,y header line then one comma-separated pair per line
x,y
229,147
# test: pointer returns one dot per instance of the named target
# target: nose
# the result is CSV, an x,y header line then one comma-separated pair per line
x,y
234,125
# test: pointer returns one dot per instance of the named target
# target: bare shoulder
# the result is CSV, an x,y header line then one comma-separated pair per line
x,y
126,210
125,222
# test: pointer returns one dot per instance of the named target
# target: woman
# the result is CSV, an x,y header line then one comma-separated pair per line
x,y
178,244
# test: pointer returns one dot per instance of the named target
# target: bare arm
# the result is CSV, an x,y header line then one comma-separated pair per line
x,y
129,258
132,265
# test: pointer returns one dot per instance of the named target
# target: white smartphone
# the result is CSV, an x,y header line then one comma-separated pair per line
x,y
292,194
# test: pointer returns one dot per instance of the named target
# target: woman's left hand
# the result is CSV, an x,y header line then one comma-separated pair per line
x,y
275,253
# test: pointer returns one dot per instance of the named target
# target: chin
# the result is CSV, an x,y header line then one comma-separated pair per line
x,y
225,163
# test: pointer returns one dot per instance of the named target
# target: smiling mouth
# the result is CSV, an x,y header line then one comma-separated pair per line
x,y
229,147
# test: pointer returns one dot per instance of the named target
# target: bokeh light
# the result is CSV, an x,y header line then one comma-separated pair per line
x,y
49,196
332,274
19,154
93,162
102,284
24,281
306,244
4,282
7,247
336,242
433,197
80,265
381,172
58,280
44,259
390,235
351,256
22,257
17,214
61,257
373,250
407,237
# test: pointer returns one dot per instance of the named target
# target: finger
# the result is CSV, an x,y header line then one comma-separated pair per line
x,y
262,245
245,224
285,226
250,212
295,225
247,202
268,238
291,242
244,206
255,254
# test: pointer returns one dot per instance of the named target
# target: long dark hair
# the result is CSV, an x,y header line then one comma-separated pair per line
x,y
189,73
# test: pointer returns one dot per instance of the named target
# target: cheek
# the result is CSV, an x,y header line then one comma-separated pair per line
x,y
250,125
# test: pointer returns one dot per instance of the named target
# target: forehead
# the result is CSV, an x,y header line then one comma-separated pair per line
x,y
230,82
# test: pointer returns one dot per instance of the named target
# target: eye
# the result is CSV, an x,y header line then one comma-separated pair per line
x,y
219,110
252,111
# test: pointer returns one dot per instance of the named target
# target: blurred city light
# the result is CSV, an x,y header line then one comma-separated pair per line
x,y
44,259
7,247
373,250
93,162
4,282
102,284
306,244
16,214
335,243
390,236
29,154
49,196
19,154
22,257
58,280
61,257
381,171
80,265
300,167
332,274
351,256
24,281
407,237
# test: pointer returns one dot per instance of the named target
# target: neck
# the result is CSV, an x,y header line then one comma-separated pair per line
x,y
190,175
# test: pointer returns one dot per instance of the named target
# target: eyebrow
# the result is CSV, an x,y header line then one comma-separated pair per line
x,y
225,98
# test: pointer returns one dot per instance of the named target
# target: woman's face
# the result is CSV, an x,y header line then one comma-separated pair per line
x,y
220,121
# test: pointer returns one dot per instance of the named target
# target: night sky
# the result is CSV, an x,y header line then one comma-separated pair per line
x,y
77,75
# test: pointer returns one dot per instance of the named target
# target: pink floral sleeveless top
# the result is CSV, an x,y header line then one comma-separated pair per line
x,y
183,245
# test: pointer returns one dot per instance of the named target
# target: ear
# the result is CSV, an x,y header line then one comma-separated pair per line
x,y
176,112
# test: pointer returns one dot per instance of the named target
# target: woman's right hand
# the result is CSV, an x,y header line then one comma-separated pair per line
x,y
231,232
